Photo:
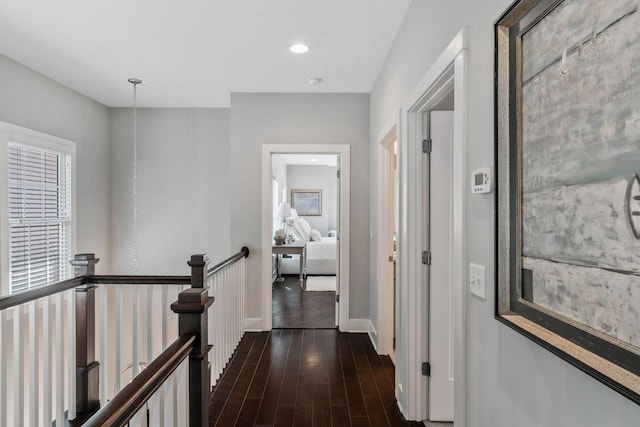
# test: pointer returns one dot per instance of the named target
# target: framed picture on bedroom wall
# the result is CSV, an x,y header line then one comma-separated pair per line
x,y
307,202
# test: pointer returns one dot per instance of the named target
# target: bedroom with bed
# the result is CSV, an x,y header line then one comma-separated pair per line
x,y
305,249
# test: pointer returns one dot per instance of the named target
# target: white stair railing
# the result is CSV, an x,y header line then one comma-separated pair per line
x,y
226,283
125,323
37,361
135,324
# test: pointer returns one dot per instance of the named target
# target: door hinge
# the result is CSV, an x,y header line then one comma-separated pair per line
x,y
426,146
426,369
338,173
426,257
337,297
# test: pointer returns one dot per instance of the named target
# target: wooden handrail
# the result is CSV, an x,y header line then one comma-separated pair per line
x,y
130,399
244,253
139,280
37,293
45,291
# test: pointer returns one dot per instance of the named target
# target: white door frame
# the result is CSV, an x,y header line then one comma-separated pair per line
x,y
449,70
344,151
385,229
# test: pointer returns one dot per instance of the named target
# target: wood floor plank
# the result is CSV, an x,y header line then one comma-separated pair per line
x,y
336,377
303,415
355,399
234,404
389,368
375,407
321,373
284,416
259,382
387,394
227,381
279,350
360,422
340,416
321,405
290,380
375,361
248,413
359,353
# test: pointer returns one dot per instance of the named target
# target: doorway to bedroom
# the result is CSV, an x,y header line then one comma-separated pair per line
x,y
305,213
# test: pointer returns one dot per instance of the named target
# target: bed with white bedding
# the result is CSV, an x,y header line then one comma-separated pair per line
x,y
321,251
321,258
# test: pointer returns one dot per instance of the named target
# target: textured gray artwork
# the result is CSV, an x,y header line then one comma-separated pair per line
x,y
580,157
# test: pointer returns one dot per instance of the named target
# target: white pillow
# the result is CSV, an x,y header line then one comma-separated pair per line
x,y
305,224
301,231
315,235
296,235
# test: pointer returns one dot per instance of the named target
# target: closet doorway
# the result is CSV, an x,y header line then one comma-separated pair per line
x,y
305,236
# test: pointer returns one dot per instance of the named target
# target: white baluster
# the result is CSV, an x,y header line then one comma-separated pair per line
x,y
135,357
118,339
165,316
47,363
102,298
34,351
18,367
71,354
139,419
155,406
149,330
182,399
242,286
4,353
59,361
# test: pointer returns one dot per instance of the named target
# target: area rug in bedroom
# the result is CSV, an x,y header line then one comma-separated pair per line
x,y
321,283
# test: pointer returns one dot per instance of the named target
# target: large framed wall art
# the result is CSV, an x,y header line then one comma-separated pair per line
x,y
568,168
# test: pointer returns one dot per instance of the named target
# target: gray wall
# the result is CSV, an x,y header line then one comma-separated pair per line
x,y
314,178
511,380
258,119
182,189
34,101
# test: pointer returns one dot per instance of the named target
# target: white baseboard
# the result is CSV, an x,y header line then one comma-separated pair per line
x,y
373,335
358,325
253,324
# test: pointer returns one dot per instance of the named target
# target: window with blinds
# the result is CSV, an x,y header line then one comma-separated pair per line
x,y
39,216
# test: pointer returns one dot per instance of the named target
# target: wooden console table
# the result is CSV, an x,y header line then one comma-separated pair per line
x,y
293,248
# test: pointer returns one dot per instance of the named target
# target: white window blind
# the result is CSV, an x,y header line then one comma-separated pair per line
x,y
39,216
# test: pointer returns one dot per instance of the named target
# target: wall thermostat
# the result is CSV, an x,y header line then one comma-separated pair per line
x,y
481,180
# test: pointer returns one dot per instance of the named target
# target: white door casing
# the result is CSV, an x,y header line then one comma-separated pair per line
x,y
342,150
385,228
448,71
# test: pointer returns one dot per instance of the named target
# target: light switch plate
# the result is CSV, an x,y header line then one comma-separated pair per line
x,y
476,280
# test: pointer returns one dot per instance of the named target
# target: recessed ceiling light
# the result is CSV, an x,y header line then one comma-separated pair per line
x,y
314,80
298,48
314,160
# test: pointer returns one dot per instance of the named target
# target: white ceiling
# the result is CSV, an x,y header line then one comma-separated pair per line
x,y
194,53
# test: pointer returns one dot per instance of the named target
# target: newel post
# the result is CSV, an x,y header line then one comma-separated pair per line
x,y
198,264
87,368
191,307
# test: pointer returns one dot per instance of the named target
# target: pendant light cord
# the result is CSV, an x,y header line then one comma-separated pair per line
x,y
135,83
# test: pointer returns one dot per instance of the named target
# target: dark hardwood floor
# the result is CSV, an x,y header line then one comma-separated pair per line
x,y
306,378
294,308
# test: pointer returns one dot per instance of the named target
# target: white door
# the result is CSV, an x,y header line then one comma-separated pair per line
x,y
440,291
